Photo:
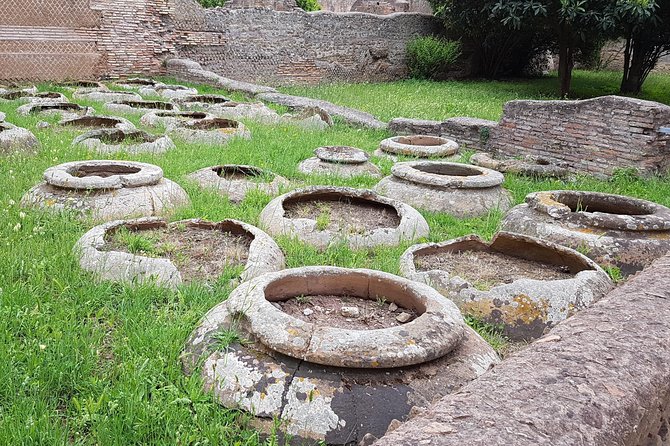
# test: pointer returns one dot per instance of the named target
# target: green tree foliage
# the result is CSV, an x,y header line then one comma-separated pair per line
x,y
212,3
309,5
429,57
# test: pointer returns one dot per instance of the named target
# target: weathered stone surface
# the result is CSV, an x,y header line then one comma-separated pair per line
x,y
131,141
530,165
13,138
457,189
613,230
98,122
527,307
349,115
322,402
84,86
106,95
67,110
412,225
420,146
593,136
2,116
339,161
107,190
264,255
171,119
256,111
139,106
44,96
600,379
133,83
201,101
10,94
470,132
235,181
210,131
167,91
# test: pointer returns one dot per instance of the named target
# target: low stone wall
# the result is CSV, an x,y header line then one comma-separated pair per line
x,y
593,136
600,378
471,133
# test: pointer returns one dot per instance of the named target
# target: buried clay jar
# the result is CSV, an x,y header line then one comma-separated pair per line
x,y
522,283
235,180
614,230
107,190
339,161
419,146
322,379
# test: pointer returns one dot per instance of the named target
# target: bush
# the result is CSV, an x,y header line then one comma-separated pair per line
x,y
212,3
428,57
309,5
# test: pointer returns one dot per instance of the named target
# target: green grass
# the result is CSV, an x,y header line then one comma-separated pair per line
x,y
476,98
89,363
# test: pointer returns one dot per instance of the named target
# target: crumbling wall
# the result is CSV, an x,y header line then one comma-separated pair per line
x,y
593,136
600,378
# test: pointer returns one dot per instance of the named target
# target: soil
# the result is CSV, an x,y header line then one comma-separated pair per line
x,y
199,254
345,215
325,310
486,270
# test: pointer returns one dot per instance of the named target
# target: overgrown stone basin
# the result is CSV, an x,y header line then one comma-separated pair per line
x,y
105,95
328,383
202,101
130,141
192,250
65,109
107,190
133,106
167,91
525,284
172,119
235,180
420,146
530,165
342,161
98,122
359,218
135,82
13,138
613,230
457,189
210,131
28,95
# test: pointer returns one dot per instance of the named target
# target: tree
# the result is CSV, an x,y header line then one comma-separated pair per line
x,y
645,25
571,23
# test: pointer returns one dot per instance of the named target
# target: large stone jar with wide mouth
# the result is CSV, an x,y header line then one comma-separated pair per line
x,y
328,382
235,181
457,189
13,138
324,215
107,190
525,284
263,255
614,230
419,146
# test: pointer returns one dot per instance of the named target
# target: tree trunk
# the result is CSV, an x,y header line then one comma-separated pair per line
x,y
626,62
565,65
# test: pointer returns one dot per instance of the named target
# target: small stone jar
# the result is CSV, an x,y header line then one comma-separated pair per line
x,y
339,161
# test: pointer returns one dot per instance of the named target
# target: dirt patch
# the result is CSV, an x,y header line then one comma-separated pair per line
x,y
486,270
198,253
344,215
327,310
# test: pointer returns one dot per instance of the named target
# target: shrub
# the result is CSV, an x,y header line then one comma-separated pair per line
x,y
309,5
428,57
212,3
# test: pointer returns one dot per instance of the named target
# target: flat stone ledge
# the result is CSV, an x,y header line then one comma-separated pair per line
x,y
411,227
526,307
599,378
264,255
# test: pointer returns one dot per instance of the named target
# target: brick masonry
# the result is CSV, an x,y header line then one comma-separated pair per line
x,y
593,136
57,40
469,133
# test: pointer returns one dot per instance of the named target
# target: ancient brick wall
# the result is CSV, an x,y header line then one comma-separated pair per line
x,y
295,47
594,136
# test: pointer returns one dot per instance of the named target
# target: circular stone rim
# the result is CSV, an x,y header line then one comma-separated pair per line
x,y
61,175
658,218
354,155
447,148
408,171
433,334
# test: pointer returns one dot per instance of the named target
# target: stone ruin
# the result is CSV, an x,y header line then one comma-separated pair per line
x,y
256,253
210,131
107,190
139,106
106,95
132,141
202,101
331,375
457,189
533,166
522,283
135,82
66,110
324,215
99,122
614,230
28,95
172,119
167,91
235,180
13,138
419,146
340,161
